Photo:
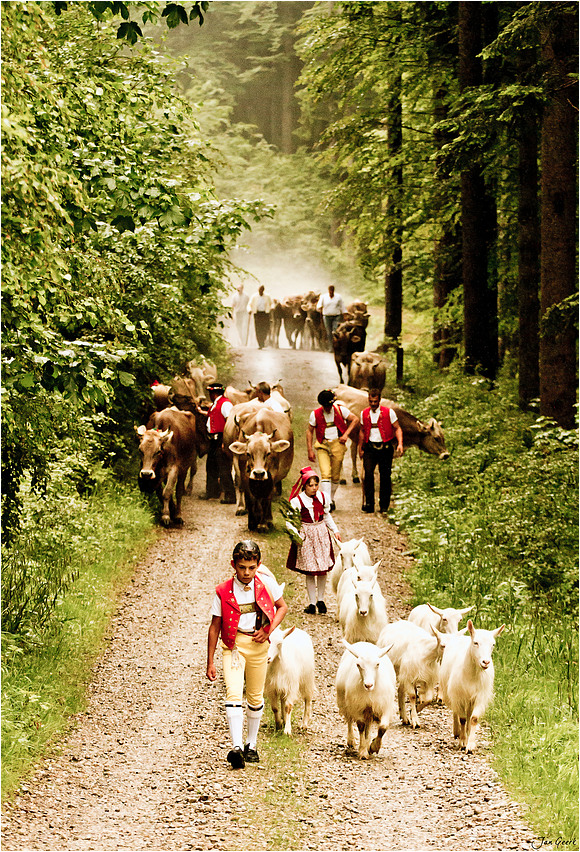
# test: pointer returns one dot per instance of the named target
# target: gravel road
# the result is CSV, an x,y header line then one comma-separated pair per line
x,y
144,768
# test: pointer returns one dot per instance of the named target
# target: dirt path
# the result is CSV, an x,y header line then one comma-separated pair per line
x,y
145,769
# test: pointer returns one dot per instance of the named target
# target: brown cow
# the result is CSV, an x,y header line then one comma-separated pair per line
x,y
367,370
167,446
349,337
264,451
427,437
314,334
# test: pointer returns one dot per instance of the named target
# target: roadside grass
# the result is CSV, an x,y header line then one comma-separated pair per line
x,y
45,673
496,527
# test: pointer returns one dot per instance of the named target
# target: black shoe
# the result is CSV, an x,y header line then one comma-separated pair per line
x,y
321,607
251,754
207,496
236,758
368,510
310,609
228,500
332,506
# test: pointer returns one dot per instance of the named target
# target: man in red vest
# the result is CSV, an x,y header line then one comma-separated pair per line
x,y
245,610
218,467
379,426
331,425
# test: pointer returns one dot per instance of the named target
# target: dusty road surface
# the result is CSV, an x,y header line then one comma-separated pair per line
x,y
145,767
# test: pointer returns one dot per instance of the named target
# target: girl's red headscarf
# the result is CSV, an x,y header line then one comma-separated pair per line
x,y
305,474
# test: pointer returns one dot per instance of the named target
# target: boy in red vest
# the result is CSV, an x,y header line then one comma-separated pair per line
x,y
329,427
379,426
245,610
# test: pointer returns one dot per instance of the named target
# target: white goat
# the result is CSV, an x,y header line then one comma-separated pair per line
x,y
344,560
365,692
444,620
353,575
290,676
363,612
466,679
415,656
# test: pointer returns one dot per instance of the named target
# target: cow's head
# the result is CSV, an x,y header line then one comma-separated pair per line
x,y
433,439
262,455
152,446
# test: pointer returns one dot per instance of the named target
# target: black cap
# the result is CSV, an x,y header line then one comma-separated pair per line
x,y
326,397
246,549
215,386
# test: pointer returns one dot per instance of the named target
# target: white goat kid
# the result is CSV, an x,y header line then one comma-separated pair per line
x,y
354,575
365,692
363,612
466,679
444,620
415,656
345,557
290,676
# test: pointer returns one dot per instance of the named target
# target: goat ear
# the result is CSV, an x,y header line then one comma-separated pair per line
x,y
470,627
499,630
465,611
435,609
463,631
386,650
377,565
441,637
289,631
349,648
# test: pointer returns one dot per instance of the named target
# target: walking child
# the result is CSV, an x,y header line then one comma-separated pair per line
x,y
246,608
315,557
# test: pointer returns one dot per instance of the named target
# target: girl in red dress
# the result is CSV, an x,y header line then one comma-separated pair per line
x,y
315,556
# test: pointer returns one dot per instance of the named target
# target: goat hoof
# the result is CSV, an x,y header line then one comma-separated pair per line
x,y
355,480
241,511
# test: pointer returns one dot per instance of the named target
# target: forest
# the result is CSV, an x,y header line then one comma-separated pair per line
x,y
424,155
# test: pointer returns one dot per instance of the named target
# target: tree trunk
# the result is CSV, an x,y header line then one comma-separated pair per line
x,y
558,214
446,254
528,262
479,301
394,271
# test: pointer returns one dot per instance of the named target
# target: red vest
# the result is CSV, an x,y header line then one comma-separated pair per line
x,y
231,610
321,424
215,419
318,508
384,424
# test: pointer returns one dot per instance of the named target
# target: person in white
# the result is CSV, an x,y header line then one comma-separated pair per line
x,y
260,305
263,391
240,310
332,307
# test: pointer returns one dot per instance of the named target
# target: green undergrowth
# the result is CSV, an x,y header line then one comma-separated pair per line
x,y
47,664
496,527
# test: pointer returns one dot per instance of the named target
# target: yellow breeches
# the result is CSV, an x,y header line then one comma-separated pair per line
x,y
253,658
330,455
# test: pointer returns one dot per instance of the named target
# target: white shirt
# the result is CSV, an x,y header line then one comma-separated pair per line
x,y
375,433
331,307
308,504
260,303
248,619
331,432
274,405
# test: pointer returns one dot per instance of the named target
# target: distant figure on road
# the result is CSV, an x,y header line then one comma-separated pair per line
x,y
240,310
333,309
260,305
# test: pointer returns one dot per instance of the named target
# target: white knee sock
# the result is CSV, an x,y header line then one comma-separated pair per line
x,y
321,586
311,588
254,716
333,489
325,488
235,717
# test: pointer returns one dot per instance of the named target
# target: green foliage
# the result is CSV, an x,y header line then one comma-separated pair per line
x,y
47,664
496,527
114,245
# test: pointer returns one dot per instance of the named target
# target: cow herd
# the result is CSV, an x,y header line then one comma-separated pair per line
x,y
258,439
